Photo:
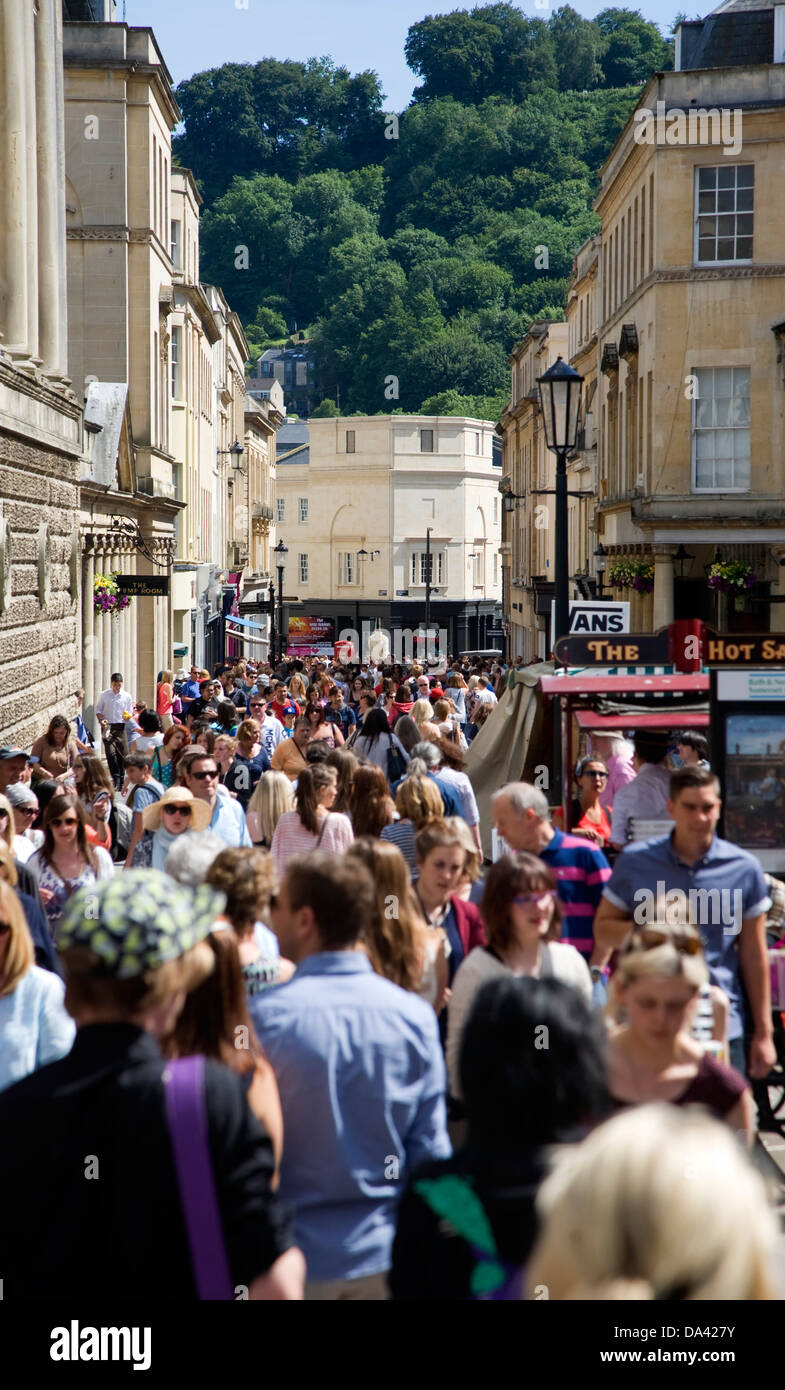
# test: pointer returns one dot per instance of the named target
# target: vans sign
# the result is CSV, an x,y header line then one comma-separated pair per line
x,y
593,616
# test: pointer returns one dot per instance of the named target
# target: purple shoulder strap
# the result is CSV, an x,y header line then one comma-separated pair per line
x,y
186,1116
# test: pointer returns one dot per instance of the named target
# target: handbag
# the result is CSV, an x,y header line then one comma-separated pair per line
x,y
186,1118
396,763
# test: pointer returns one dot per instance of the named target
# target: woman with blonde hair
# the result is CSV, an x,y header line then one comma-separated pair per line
x,y
660,1204
399,945
651,1055
472,884
418,802
298,690
422,714
34,1026
272,796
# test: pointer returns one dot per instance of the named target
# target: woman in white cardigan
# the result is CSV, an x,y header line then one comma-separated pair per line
x,y
520,908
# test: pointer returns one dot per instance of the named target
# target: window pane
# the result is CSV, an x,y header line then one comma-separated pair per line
x,y
706,202
706,249
741,444
723,444
741,381
726,200
742,470
707,178
726,226
726,178
723,381
744,224
744,198
745,175
725,250
704,474
744,248
722,410
703,414
704,445
723,473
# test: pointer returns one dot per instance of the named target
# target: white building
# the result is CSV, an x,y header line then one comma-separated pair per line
x,y
359,516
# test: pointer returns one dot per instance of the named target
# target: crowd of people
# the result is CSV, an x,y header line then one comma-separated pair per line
x,y
255,964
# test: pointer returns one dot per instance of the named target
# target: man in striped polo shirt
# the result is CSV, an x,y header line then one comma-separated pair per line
x,y
520,814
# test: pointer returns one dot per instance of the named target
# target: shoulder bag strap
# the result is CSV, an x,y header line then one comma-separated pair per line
x,y
186,1117
324,827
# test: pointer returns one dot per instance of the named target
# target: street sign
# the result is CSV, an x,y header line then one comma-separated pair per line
x,y
743,648
628,648
143,585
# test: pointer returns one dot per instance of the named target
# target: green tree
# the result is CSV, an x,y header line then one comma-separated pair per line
x,y
493,50
634,48
325,410
578,46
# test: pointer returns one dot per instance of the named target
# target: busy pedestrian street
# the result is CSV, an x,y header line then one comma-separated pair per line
x,y
392,666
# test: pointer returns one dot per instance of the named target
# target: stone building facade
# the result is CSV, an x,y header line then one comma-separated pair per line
x,y
40,416
528,516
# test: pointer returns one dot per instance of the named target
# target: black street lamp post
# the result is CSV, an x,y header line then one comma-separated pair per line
x,y
281,551
560,400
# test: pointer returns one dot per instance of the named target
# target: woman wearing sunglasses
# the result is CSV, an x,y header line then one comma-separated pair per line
x,y
177,813
587,815
66,860
520,909
651,1055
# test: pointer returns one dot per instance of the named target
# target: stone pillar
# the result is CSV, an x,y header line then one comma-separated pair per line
x,y
14,137
114,623
99,628
31,25
89,672
663,586
50,186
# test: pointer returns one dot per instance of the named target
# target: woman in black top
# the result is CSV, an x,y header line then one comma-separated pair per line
x,y
467,1224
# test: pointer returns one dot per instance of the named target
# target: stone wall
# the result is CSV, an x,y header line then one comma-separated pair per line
x,y
39,641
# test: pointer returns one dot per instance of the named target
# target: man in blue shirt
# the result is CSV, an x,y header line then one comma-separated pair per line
x,y
723,889
190,690
360,1074
201,774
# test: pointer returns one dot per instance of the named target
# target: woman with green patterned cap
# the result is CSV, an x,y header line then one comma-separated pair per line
x,y
129,1173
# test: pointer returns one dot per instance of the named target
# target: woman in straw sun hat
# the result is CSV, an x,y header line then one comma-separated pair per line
x,y
178,812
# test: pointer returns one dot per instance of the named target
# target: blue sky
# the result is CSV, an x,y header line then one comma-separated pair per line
x,y
198,34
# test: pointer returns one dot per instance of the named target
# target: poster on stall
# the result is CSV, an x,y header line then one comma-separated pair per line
x,y
310,636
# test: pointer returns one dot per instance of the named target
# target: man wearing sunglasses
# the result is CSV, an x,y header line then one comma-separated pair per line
x,y
271,730
227,818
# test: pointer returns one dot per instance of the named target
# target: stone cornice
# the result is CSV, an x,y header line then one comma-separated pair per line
x,y
98,232
40,388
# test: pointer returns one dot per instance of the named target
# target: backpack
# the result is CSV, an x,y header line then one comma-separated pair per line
x,y
396,763
452,1198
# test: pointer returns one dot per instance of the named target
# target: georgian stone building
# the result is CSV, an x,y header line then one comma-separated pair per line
x,y
119,115
40,416
691,326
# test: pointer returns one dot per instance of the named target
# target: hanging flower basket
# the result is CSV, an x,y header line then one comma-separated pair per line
x,y
106,598
730,575
633,574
